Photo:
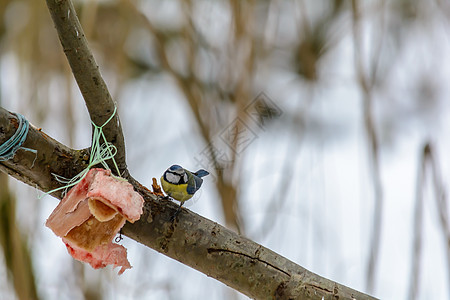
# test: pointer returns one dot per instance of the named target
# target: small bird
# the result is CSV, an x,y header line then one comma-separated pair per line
x,y
181,184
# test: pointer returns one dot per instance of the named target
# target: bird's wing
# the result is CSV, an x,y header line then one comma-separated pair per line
x,y
194,184
201,173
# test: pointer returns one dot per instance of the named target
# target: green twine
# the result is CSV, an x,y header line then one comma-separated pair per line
x,y
100,153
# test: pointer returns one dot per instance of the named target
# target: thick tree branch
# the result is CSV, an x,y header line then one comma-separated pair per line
x,y
193,240
37,169
86,72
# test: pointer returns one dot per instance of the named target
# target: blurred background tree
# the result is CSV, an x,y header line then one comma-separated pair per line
x,y
312,117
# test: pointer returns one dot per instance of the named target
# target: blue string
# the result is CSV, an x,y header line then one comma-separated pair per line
x,y
9,148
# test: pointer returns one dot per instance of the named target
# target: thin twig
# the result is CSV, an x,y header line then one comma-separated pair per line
x,y
366,85
414,283
428,158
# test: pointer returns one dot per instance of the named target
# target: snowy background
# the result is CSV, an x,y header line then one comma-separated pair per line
x,y
304,177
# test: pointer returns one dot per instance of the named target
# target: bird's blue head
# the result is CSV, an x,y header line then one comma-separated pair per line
x,y
176,169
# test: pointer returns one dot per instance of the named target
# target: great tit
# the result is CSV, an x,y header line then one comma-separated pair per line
x,y
181,184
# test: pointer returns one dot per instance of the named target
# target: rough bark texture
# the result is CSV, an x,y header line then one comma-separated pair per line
x,y
230,258
191,239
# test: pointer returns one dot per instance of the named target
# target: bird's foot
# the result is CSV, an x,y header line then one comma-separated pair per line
x,y
176,213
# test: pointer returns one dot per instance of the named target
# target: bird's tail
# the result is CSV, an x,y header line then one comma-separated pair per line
x,y
201,173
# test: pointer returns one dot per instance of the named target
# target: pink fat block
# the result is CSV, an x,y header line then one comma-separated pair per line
x,y
119,195
92,213
103,255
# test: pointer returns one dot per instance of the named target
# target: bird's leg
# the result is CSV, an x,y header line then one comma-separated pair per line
x,y
177,212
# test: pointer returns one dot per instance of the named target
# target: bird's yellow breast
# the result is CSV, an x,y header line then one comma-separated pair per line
x,y
176,191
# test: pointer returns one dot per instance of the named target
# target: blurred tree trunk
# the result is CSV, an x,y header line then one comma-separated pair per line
x,y
15,250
